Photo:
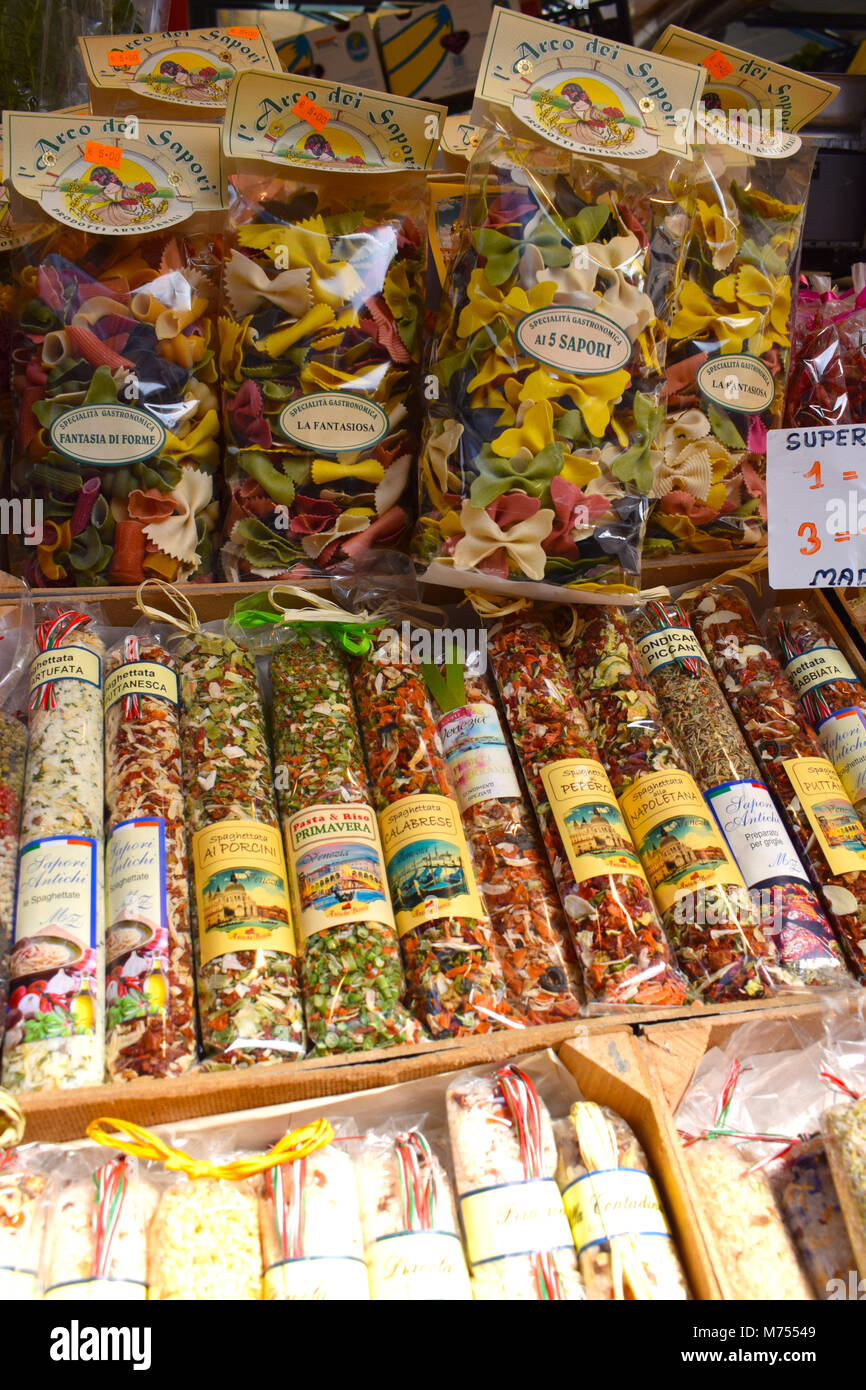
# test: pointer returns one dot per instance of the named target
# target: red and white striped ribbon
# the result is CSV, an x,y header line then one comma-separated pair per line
x,y
662,614
131,703
49,636
523,1104
111,1183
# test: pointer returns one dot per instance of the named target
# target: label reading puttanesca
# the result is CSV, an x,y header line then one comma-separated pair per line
x,y
241,889
98,1291
136,939
613,1202
317,1280
334,422
516,1218
65,664
479,763
679,843
843,738
429,870
54,954
578,341
754,833
141,678
669,645
336,869
107,436
829,812
737,381
418,1266
588,819
810,670
17,1285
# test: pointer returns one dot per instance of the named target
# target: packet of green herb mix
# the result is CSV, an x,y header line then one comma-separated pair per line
x,y
730,339
545,395
320,333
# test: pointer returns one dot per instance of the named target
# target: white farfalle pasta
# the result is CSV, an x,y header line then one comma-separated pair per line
x,y
311,1230
204,1243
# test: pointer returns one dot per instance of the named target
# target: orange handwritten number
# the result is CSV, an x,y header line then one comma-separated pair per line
x,y
809,530
814,472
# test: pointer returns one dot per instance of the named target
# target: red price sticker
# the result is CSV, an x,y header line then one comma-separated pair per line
x,y
240,33
308,111
717,65
109,155
121,58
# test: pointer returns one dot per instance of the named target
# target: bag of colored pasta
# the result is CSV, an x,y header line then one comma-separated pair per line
x,y
546,388
319,338
728,356
117,442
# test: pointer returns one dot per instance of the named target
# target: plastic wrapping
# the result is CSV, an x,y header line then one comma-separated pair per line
x,y
809,1203
851,328
56,1018
249,995
624,1245
96,1238
698,888
203,1243
150,986
793,765
23,1205
350,965
614,927
845,1134
817,393
695,711
16,626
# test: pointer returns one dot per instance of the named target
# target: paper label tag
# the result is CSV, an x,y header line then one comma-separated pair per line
x,y
65,664
241,889
754,833
578,341
150,678
818,667
677,839
336,869
239,32
478,759
835,823
669,645
120,58
816,507
613,1202
589,820
97,1291
54,958
843,738
516,1218
136,940
17,1285
317,1279
429,869
334,422
186,67
717,65
737,381
107,436
418,1266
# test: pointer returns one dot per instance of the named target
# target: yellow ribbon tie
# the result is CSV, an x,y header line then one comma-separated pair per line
x,y
143,1143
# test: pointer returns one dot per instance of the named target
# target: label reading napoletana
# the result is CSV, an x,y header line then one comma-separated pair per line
x,y
317,1280
336,869
574,340
98,1290
818,667
241,889
429,869
141,678
479,763
843,738
613,1202
588,819
754,833
423,1266
679,843
55,933
65,664
828,810
516,1218
668,645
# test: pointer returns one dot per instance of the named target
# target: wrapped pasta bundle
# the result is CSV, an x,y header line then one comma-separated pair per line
x,y
518,1242
411,1235
22,1224
203,1245
249,992
699,718
615,929
56,1018
806,787
844,1129
96,1239
698,888
311,1230
455,982
624,1244
351,970
809,1203
150,989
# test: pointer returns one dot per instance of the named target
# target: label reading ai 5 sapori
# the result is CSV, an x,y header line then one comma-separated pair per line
x,y
816,507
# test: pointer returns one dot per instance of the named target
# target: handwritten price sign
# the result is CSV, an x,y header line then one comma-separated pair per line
x,y
816,507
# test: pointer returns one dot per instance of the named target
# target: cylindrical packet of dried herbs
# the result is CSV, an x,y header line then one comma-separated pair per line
x,y
700,720
698,887
248,980
823,823
456,983
623,952
350,955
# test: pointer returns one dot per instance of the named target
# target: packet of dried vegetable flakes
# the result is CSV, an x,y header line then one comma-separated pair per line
x,y
740,220
546,391
113,350
323,290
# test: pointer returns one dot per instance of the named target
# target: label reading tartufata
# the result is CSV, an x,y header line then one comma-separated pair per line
x,y
819,666
613,1202
336,869
588,819
515,1218
429,869
828,810
149,678
311,1279
65,664
479,763
418,1265
843,738
754,833
241,889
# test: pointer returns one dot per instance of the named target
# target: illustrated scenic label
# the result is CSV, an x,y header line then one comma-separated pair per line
x,y
186,67
835,823
317,1279
810,670
512,1219
334,422
578,341
65,664
613,1202
755,835
737,381
843,738
429,869
136,938
588,819
336,869
107,435
241,889
149,678
479,762
418,1265
679,843
668,645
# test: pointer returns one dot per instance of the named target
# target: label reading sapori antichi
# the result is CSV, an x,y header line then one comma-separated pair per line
x,y
589,822
429,869
241,889
141,678
828,810
336,869
843,738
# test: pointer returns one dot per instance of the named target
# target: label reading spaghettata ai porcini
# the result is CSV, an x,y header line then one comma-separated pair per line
x,y
669,645
317,1280
810,670
429,870
515,1218
754,832
679,843
98,1291
65,664
55,931
613,1202
479,762
150,678
336,869
241,889
843,738
589,822
418,1266
828,810
17,1285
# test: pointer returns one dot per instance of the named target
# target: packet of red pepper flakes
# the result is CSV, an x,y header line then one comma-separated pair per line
x,y
740,220
817,392
113,354
546,388
320,339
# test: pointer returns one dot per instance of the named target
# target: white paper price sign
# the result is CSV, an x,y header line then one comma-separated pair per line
x,y
816,507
